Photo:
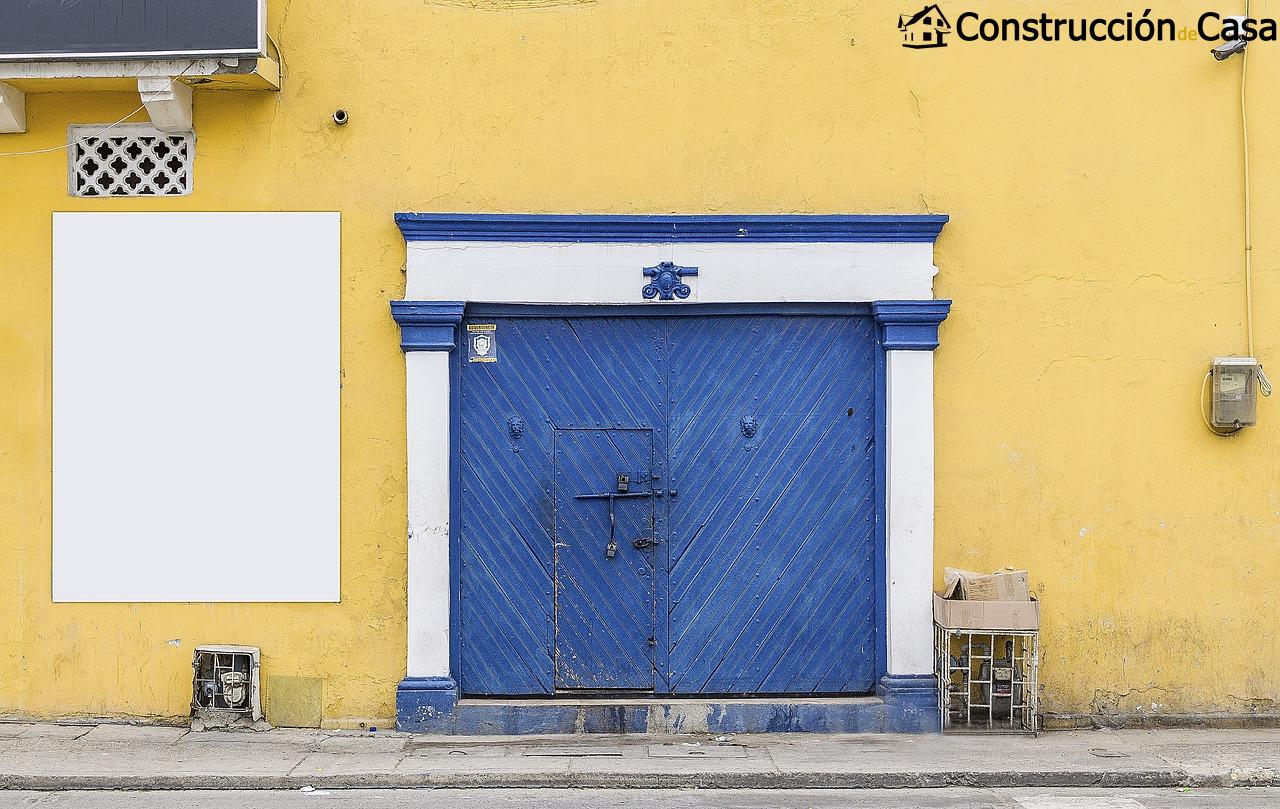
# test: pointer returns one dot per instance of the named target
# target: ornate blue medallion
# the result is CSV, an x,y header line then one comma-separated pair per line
x,y
666,284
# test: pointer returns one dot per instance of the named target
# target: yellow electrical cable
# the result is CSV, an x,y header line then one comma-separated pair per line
x,y
1264,384
100,132
1204,414
284,69
69,144
1248,206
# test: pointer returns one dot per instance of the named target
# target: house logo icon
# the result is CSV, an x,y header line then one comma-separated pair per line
x,y
927,28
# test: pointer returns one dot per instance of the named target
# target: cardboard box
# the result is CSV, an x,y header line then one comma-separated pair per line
x,y
1004,585
1009,615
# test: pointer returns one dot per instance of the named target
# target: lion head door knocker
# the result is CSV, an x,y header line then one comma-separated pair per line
x,y
515,427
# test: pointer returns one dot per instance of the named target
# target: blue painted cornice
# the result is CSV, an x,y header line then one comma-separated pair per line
x,y
910,325
670,228
427,325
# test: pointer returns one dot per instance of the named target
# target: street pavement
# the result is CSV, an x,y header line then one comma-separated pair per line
x,y
56,757
964,798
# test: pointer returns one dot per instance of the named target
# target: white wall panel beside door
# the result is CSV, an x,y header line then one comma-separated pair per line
x,y
196,406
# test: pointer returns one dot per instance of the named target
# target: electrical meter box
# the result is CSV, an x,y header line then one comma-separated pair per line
x,y
1235,391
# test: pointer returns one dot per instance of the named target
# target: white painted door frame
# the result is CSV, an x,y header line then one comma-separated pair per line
x,y
884,261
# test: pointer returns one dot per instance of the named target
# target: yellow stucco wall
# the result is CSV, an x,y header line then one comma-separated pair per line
x,y
1093,254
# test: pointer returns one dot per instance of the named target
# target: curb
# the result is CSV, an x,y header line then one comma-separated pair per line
x,y
764,780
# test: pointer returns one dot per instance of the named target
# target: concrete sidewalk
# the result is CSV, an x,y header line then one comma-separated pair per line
x,y
61,756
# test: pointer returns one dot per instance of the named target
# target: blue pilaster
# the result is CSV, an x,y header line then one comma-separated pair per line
x,y
426,704
910,325
427,325
910,702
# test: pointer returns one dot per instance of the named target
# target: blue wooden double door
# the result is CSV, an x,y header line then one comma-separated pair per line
x,y
677,505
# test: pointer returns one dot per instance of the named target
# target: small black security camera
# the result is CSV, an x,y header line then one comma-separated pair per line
x,y
1229,49
340,117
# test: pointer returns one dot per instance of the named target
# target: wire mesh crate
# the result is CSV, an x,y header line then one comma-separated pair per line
x,y
988,680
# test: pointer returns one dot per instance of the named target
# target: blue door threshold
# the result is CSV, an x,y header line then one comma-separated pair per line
x,y
908,708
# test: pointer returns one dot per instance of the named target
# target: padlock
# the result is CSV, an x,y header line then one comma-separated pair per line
x,y
610,550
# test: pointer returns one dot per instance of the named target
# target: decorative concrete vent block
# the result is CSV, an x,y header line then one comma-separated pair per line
x,y
133,160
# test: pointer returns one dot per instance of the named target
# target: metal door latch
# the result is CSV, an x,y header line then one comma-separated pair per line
x,y
624,486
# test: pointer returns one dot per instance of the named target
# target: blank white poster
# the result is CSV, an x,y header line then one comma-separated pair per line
x,y
196,393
